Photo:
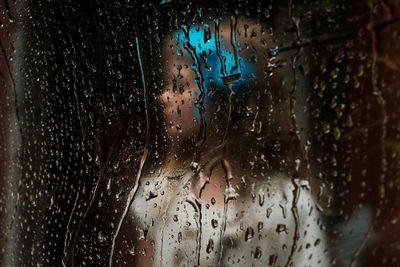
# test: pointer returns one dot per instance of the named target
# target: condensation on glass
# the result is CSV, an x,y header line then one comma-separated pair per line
x,y
200,133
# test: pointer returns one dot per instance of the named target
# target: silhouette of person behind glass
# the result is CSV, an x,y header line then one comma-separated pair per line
x,y
227,192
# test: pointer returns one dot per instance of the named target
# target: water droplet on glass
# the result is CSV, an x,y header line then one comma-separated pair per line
x,y
214,223
101,237
210,246
249,234
258,253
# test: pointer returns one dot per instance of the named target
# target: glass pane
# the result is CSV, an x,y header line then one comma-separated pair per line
x,y
199,133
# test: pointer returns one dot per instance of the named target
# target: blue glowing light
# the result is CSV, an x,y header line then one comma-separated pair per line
x,y
204,42
237,72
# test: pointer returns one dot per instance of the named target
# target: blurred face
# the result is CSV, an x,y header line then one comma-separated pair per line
x,y
218,74
219,91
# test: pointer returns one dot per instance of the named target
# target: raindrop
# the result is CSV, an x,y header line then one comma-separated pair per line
x,y
258,253
210,246
281,228
101,237
249,234
214,223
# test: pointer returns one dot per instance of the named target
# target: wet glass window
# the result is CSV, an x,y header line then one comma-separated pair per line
x,y
200,133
